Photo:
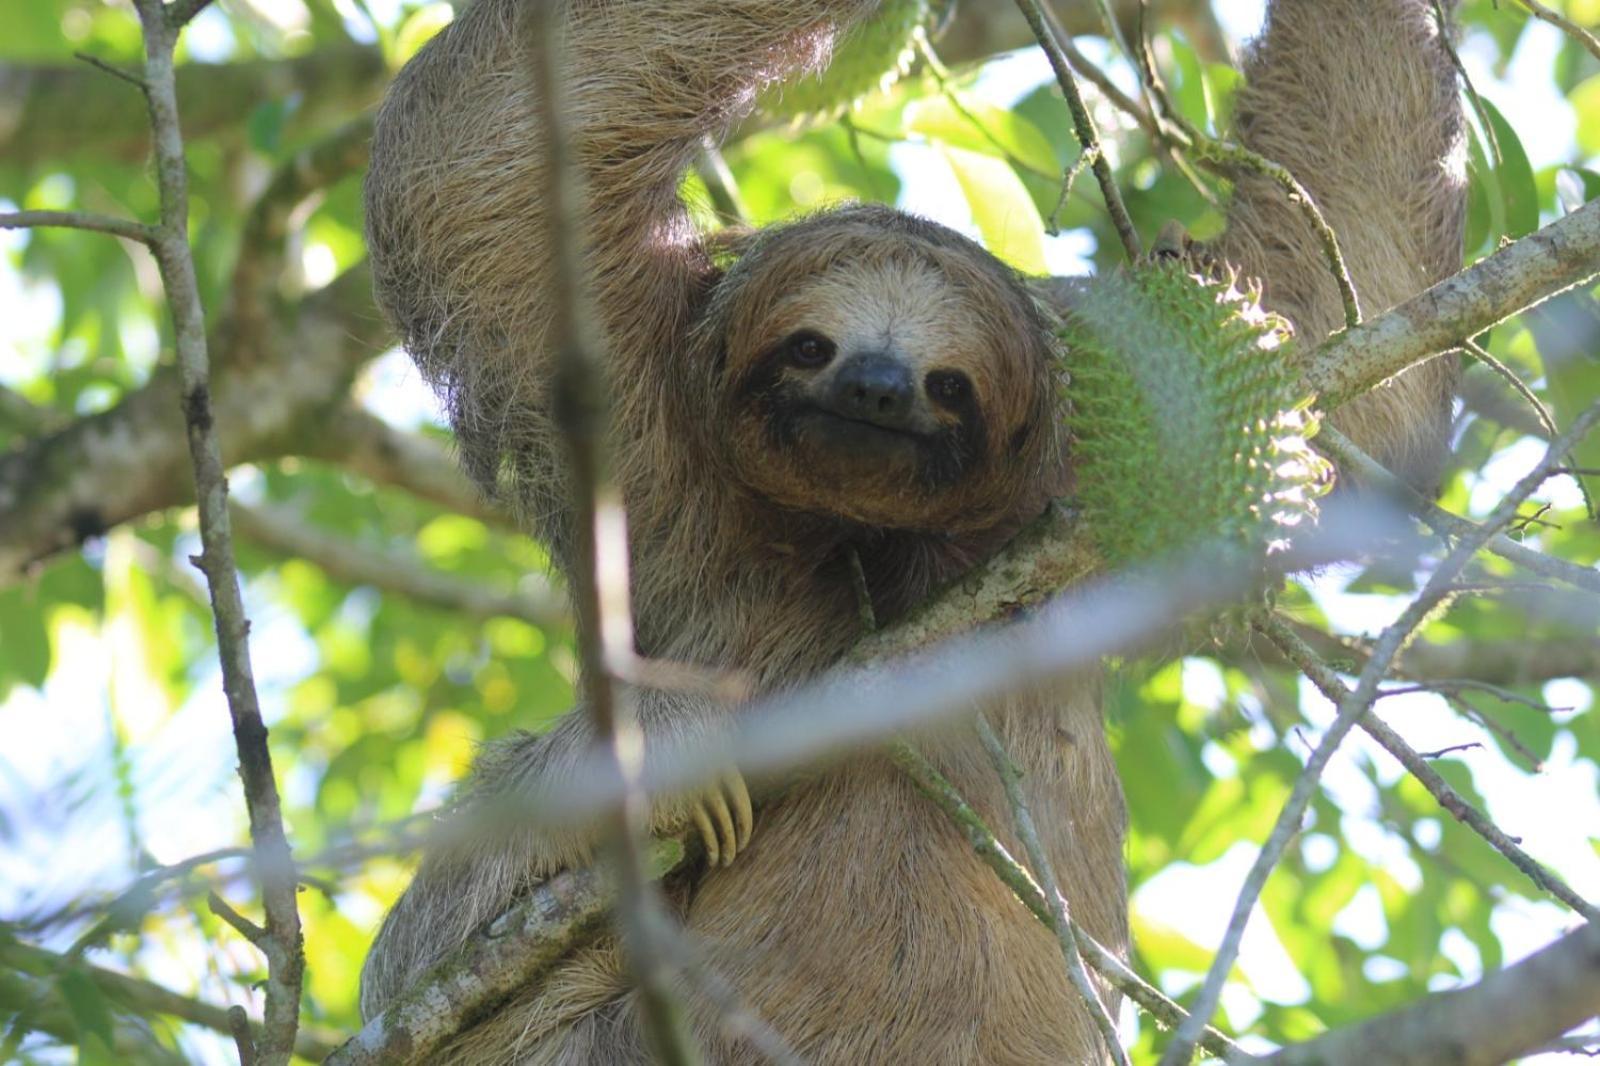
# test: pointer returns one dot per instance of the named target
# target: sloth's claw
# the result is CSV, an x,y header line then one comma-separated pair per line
x,y
743,813
724,818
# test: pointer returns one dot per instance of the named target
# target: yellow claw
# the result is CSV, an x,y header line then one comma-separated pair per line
x,y
707,835
743,813
723,818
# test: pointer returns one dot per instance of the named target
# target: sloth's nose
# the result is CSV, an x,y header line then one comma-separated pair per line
x,y
877,389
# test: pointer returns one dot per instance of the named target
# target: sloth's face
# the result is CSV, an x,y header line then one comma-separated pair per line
x,y
888,381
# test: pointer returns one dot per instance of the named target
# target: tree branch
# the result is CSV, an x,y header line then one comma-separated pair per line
x,y
64,487
598,576
1507,1014
259,265
1518,276
362,564
1328,682
147,997
1084,128
1351,709
512,952
281,942
127,229
69,114
1369,472
1060,924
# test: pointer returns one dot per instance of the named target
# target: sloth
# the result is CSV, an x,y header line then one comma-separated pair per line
x,y
860,387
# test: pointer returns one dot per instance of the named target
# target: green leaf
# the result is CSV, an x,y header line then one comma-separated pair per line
x,y
1188,90
418,28
26,640
1004,212
1517,189
87,1005
983,128
1222,89
1585,99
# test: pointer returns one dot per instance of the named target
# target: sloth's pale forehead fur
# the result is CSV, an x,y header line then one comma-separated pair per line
x,y
874,279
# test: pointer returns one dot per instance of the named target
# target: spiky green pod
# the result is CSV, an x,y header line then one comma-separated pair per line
x,y
873,55
1188,421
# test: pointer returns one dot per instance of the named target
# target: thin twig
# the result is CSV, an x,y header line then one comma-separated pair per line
x,y
1227,158
115,71
1369,472
1083,126
1583,36
1327,681
281,942
936,787
127,229
1011,778
1351,710
600,572
243,1040
1547,421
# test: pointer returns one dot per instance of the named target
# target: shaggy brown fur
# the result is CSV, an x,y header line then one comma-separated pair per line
x,y
857,923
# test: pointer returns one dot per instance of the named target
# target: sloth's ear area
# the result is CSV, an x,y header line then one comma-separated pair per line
x,y
730,242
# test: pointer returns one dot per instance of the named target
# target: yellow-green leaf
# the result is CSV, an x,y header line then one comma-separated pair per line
x,y
1001,207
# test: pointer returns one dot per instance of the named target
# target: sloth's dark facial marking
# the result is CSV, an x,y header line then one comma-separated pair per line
x,y
848,409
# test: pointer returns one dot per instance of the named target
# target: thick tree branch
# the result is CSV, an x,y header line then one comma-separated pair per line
x,y
514,950
70,113
362,564
64,487
1518,276
1507,1014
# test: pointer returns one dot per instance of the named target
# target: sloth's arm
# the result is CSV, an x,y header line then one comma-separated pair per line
x,y
1359,99
454,205
486,852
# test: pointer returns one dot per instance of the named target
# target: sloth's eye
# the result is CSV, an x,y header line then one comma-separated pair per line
x,y
810,350
949,387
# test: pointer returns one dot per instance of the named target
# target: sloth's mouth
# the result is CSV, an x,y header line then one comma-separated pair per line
x,y
857,430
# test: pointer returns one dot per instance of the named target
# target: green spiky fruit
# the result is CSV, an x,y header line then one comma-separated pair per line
x,y
1188,421
871,56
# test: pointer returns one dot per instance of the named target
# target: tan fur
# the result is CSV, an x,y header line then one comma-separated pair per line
x,y
1383,154
857,923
